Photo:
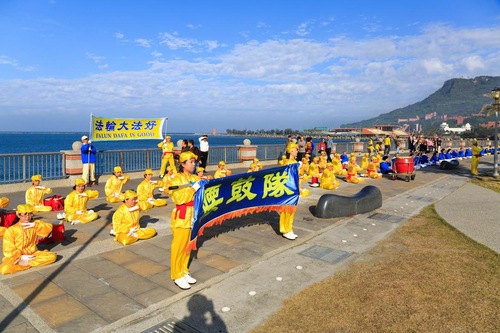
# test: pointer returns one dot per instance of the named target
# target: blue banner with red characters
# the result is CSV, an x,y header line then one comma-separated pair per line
x,y
217,200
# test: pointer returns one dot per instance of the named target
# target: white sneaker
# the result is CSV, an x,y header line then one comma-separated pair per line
x,y
190,279
61,216
182,283
112,232
75,222
161,189
290,235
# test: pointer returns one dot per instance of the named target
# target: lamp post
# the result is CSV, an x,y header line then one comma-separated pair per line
x,y
494,108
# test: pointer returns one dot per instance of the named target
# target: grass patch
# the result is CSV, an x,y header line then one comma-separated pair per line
x,y
425,277
487,182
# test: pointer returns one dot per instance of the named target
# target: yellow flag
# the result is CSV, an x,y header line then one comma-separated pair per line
x,y
111,129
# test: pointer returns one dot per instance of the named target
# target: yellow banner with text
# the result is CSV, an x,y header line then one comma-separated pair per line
x,y
110,129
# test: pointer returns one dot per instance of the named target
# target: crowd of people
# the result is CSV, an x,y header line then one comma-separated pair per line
x,y
319,167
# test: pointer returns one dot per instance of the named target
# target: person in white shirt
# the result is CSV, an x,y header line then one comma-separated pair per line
x,y
204,147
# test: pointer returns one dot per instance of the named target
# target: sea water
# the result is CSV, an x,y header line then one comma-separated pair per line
x,y
42,142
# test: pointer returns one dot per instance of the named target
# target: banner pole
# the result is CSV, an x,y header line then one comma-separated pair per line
x,y
166,124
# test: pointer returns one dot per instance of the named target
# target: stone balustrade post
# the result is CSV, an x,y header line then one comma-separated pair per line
x,y
247,152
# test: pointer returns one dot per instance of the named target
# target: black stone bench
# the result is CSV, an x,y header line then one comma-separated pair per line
x,y
449,165
333,205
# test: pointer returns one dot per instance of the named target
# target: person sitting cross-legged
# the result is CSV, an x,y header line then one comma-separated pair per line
x,y
145,192
75,204
114,185
19,243
126,221
34,195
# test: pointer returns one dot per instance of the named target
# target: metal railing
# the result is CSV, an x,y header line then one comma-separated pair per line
x,y
18,168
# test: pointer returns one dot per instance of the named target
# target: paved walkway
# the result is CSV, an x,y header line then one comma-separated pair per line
x,y
245,269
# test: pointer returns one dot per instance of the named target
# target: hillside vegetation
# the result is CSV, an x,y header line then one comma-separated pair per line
x,y
457,97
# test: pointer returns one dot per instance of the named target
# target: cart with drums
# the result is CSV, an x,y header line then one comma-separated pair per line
x,y
403,168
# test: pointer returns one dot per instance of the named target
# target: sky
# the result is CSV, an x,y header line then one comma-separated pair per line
x,y
245,64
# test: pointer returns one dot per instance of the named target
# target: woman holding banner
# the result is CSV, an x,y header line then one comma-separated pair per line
x,y
182,219
286,217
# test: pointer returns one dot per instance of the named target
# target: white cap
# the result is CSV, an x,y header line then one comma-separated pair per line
x,y
85,137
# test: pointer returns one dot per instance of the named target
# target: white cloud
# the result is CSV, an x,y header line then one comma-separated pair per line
x,y
296,83
4,60
143,42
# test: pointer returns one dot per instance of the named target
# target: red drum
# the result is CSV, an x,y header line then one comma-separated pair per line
x,y
56,202
7,218
404,165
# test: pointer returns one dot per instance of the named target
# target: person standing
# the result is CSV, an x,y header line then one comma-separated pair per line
x,y
476,154
387,145
329,146
19,243
34,195
88,161
204,147
167,156
182,219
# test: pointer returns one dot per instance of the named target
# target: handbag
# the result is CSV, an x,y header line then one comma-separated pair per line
x,y
56,236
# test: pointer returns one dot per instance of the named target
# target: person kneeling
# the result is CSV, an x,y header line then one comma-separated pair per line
x,y
126,221
19,243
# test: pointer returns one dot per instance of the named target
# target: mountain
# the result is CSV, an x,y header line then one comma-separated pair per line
x,y
457,97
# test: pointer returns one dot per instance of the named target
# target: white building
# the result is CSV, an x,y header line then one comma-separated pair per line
x,y
466,128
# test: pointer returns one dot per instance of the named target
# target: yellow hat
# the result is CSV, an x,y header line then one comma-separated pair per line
x,y
24,208
291,146
200,169
255,160
187,155
117,169
167,137
129,194
148,172
474,143
79,181
316,159
36,177
222,163
329,164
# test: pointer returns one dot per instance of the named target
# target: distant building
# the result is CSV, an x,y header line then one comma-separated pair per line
x,y
466,128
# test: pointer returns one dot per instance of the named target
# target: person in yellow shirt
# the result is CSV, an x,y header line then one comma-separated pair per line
x,y
126,221
352,173
328,180
337,166
114,185
4,202
19,243
75,204
168,178
282,161
255,166
200,171
34,195
313,172
286,218
371,170
145,192
221,171
167,156
387,145
181,219
364,161
476,155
